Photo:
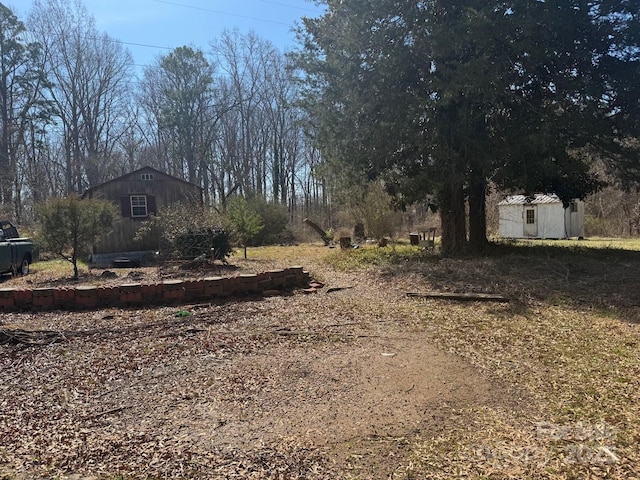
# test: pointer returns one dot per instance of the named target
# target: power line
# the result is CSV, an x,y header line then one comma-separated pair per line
x,y
114,40
222,13
217,53
290,6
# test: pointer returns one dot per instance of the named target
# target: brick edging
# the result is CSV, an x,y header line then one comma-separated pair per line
x,y
164,292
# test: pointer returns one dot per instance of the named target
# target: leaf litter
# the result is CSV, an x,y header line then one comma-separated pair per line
x,y
300,387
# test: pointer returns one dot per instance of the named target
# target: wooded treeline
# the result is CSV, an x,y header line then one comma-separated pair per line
x,y
75,114
433,102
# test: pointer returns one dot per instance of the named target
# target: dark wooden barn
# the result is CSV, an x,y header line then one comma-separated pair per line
x,y
138,195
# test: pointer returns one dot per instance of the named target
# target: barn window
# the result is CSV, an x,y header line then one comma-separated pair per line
x,y
146,176
139,206
574,207
530,216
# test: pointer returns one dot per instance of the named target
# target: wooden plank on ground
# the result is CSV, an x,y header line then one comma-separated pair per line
x,y
479,297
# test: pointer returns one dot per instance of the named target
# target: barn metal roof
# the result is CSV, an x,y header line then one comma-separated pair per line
x,y
537,199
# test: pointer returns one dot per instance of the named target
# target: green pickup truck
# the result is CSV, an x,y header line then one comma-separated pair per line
x,y
16,253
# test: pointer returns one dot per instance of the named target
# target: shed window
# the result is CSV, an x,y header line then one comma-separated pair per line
x,y
574,207
146,176
139,206
530,216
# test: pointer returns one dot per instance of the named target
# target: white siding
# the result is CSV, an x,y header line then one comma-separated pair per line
x,y
552,219
510,221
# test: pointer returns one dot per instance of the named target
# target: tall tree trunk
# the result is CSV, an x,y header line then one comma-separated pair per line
x,y
6,176
452,218
477,211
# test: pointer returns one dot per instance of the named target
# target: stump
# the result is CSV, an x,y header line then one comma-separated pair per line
x,y
345,242
358,232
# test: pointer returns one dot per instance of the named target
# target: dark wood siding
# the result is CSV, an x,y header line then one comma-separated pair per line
x,y
151,204
125,204
160,191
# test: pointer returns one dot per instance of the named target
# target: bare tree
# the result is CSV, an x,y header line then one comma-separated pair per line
x,y
246,139
284,117
91,89
23,109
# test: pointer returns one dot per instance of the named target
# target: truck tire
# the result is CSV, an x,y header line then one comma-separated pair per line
x,y
23,269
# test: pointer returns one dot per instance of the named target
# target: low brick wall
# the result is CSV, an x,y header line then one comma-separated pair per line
x,y
166,292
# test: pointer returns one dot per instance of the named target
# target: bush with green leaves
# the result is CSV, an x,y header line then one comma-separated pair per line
x,y
69,226
245,220
275,219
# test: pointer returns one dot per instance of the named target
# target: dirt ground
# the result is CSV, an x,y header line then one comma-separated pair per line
x,y
216,390
355,381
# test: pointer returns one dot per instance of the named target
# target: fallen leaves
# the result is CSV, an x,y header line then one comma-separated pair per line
x,y
346,385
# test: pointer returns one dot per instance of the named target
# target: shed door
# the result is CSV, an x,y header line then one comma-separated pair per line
x,y
530,221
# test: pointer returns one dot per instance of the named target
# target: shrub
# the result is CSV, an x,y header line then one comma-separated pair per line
x,y
379,217
188,231
246,222
275,220
212,242
69,226
595,227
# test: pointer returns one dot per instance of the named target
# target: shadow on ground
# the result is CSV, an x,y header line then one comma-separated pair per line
x,y
605,279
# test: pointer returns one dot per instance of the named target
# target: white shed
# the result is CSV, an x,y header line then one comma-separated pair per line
x,y
540,216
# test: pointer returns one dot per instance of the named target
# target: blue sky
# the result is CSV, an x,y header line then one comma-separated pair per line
x,y
174,23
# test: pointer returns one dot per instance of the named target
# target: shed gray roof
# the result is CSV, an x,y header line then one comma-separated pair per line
x,y
537,199
89,191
